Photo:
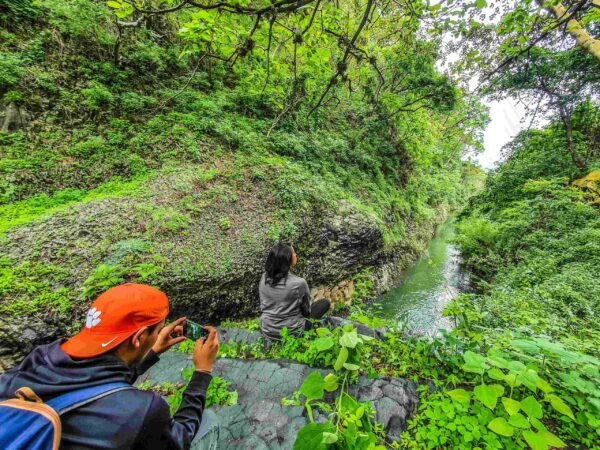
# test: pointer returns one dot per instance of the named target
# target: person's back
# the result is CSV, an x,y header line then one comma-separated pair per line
x,y
129,418
285,297
284,304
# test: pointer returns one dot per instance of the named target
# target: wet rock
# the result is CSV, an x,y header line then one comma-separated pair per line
x,y
25,336
260,421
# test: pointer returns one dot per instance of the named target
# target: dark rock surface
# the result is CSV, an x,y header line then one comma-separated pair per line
x,y
259,421
23,336
175,223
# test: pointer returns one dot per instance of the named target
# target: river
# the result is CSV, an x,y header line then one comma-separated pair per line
x,y
423,290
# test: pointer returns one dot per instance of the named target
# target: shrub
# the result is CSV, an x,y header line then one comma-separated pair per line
x,y
10,70
97,96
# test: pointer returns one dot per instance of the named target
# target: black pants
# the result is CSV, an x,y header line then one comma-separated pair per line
x,y
317,310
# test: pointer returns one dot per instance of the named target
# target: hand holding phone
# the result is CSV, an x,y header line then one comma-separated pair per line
x,y
195,331
205,350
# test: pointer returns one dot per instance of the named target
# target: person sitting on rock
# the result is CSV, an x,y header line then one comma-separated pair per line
x,y
123,336
285,297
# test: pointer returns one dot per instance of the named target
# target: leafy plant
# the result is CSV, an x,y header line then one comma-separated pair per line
x,y
218,392
350,424
102,278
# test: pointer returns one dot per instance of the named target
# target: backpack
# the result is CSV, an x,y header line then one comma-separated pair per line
x,y
29,423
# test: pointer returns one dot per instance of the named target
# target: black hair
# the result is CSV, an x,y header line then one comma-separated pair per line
x,y
278,263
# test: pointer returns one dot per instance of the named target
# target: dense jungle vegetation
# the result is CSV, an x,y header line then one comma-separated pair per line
x,y
199,111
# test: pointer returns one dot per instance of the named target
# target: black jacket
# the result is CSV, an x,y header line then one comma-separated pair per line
x,y
128,419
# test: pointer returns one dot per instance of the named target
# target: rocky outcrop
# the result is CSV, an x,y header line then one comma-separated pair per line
x,y
204,236
260,421
590,185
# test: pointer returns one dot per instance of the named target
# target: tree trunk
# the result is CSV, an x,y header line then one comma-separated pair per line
x,y
577,159
575,29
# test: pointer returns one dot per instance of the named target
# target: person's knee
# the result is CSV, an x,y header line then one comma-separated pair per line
x,y
323,305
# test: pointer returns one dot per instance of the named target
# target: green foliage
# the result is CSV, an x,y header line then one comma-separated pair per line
x,y
247,324
350,424
10,70
218,392
106,276
18,213
28,287
529,242
97,97
168,220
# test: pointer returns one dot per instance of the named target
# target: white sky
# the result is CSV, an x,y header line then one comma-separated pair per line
x,y
505,124
506,116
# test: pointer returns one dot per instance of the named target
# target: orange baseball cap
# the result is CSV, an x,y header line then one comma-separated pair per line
x,y
116,315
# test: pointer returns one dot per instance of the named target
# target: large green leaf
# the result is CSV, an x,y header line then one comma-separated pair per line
x,y
512,406
322,332
525,345
498,362
312,388
329,438
341,359
496,374
312,435
500,426
519,421
538,424
544,386
532,408
323,343
535,441
542,440
460,396
474,363
496,358
516,366
488,394
350,339
530,379
559,405
331,382
552,440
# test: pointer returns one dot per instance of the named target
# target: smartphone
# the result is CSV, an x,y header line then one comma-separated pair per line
x,y
195,331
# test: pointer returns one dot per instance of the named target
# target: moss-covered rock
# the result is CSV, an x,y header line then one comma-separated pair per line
x,y
199,232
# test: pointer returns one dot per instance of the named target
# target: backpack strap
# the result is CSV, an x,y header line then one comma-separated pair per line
x,y
74,399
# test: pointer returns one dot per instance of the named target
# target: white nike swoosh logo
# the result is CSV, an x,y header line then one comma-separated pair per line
x,y
108,343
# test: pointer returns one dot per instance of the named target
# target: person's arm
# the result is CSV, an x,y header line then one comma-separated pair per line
x,y
169,336
161,431
304,293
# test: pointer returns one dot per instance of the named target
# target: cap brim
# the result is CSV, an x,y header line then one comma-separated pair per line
x,y
86,344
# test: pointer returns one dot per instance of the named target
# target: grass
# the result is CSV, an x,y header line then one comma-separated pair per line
x,y
42,205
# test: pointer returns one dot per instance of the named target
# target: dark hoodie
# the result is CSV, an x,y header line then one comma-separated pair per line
x,y
128,419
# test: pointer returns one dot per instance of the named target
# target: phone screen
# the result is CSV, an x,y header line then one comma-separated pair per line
x,y
195,331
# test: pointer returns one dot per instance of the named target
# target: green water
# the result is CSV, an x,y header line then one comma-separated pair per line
x,y
423,290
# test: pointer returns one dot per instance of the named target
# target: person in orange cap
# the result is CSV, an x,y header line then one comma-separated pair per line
x,y
123,335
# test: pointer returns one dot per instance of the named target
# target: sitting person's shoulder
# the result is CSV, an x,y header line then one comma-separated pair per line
x,y
295,280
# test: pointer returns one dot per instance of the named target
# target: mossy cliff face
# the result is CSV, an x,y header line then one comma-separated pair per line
x,y
201,233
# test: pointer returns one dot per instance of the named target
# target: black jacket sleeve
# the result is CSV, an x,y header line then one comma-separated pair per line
x,y
304,300
161,431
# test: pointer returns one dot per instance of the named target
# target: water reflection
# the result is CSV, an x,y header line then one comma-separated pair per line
x,y
424,289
